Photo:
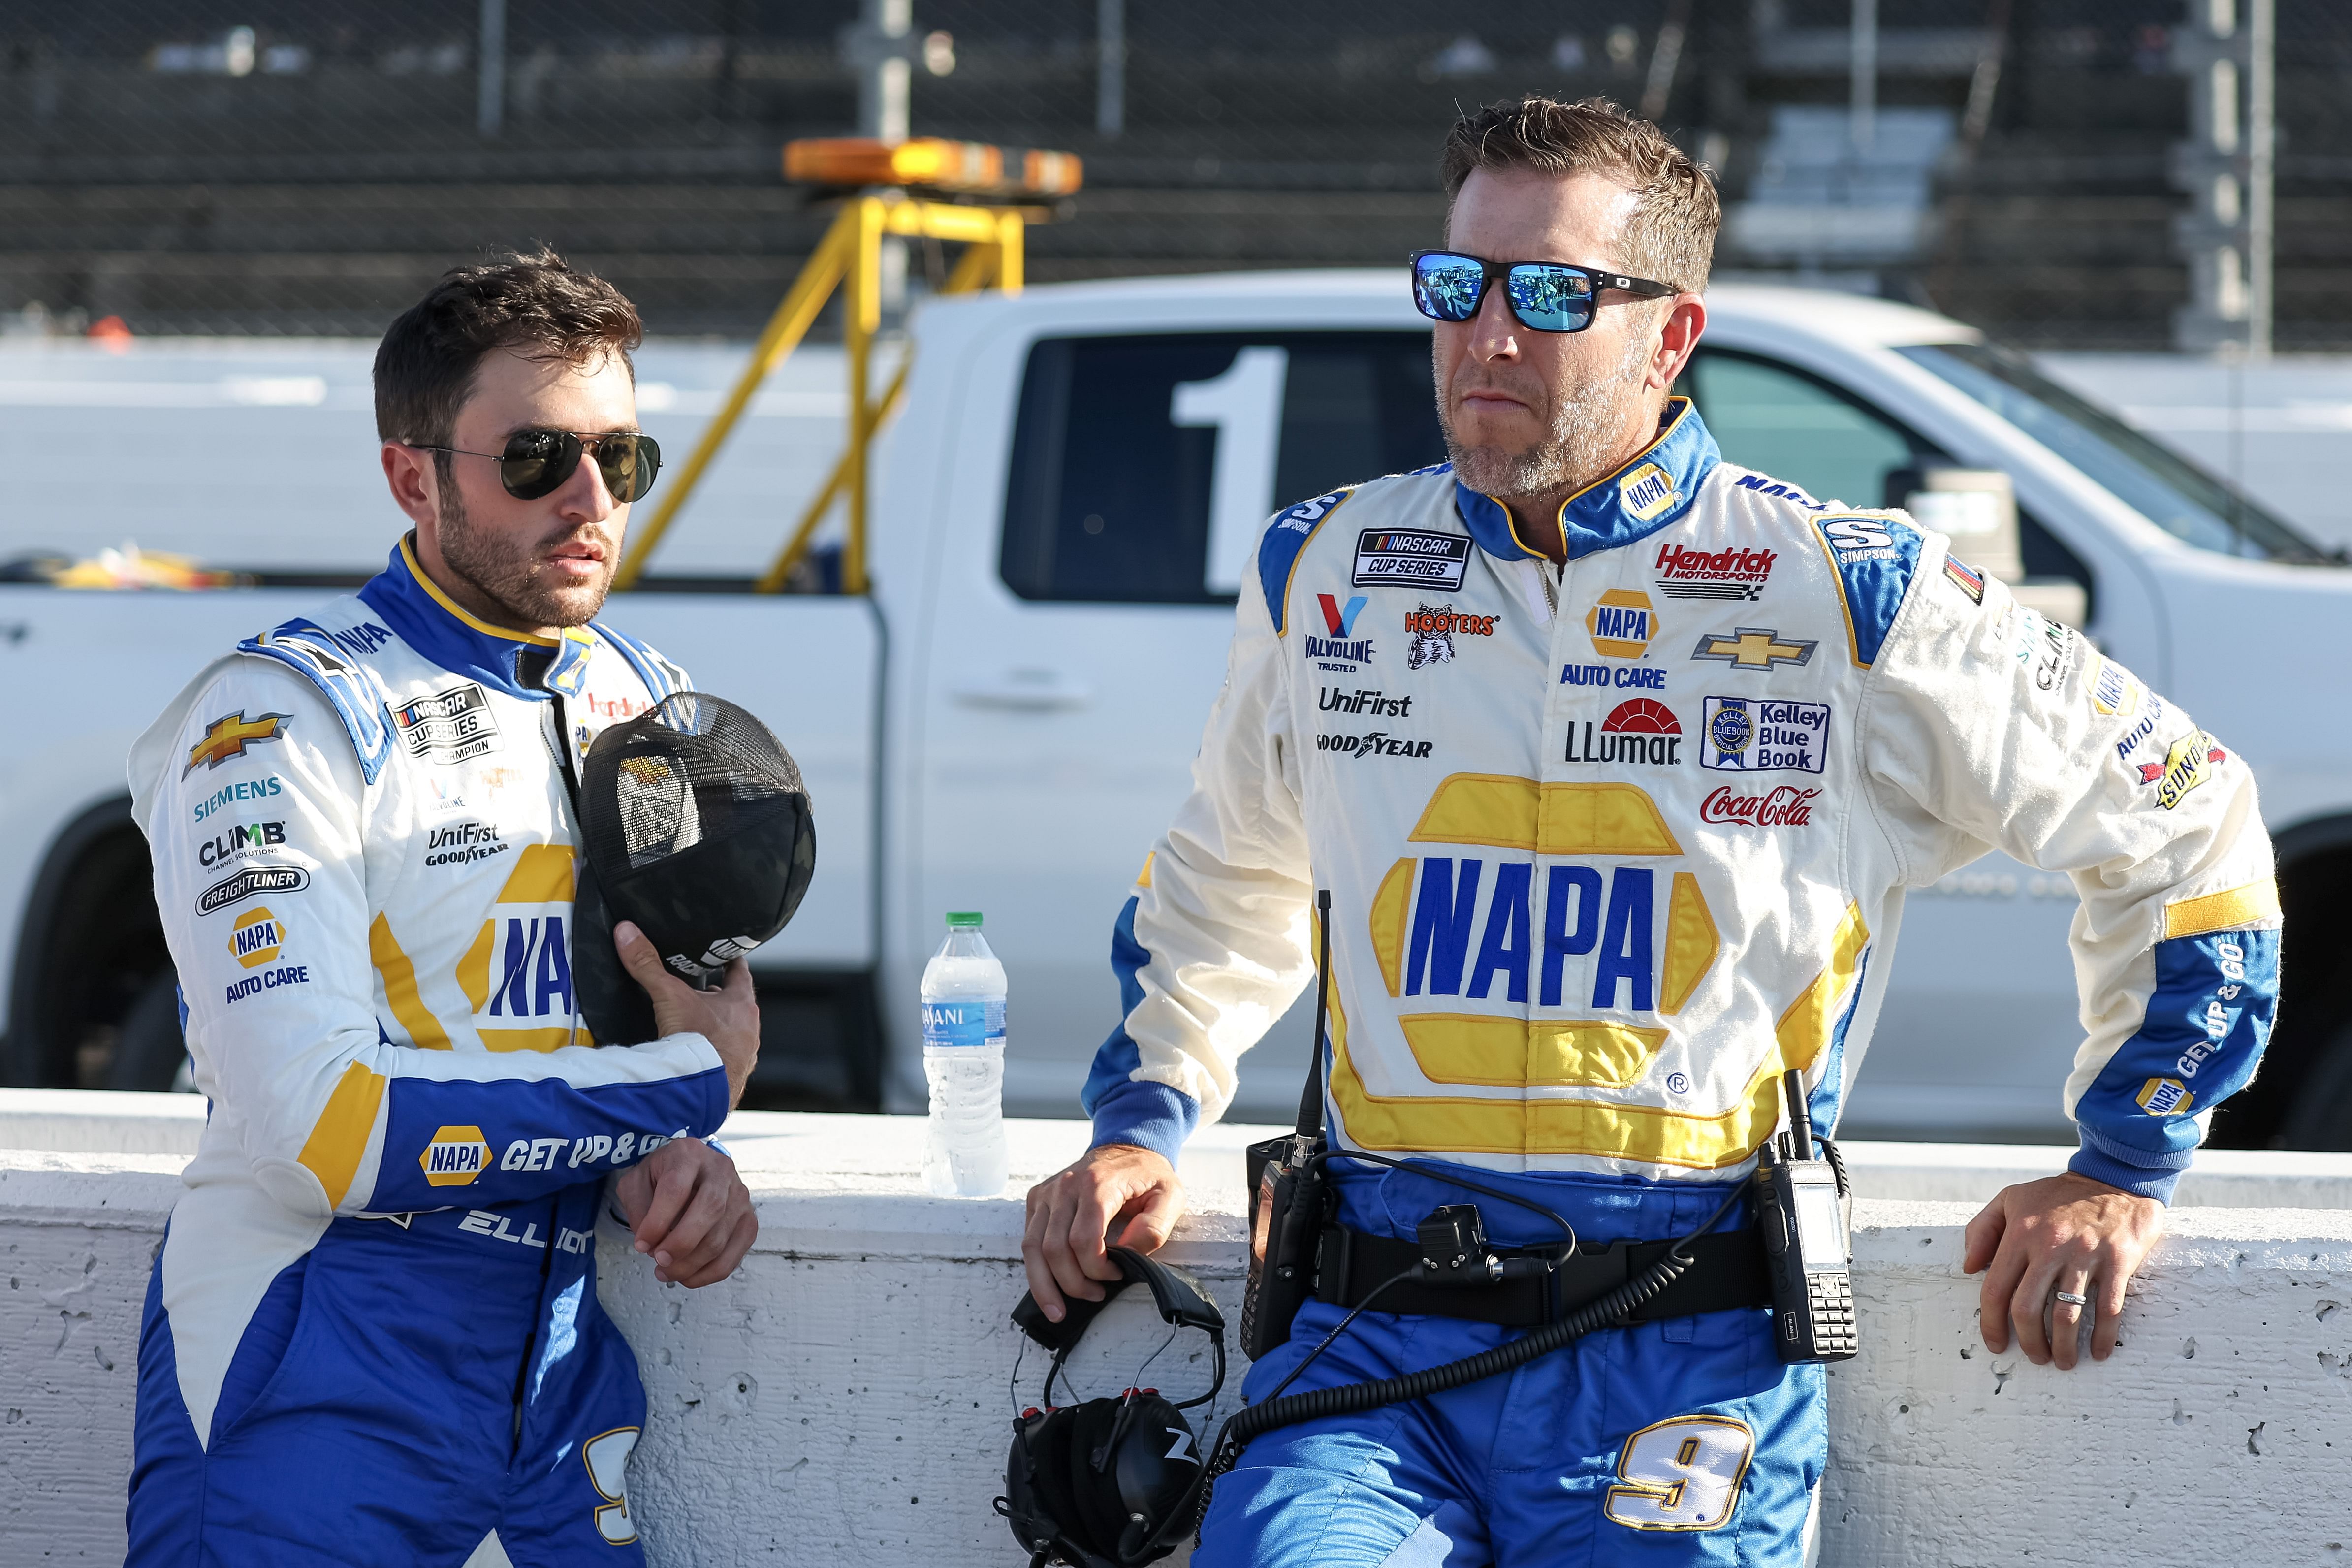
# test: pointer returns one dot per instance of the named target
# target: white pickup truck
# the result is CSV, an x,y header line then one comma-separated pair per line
x,y
1064,509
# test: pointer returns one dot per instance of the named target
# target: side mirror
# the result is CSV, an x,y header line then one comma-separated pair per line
x,y
1978,507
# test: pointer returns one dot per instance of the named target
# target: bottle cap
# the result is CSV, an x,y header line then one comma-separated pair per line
x,y
964,918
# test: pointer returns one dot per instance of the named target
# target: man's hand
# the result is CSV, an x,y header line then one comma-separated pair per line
x,y
1072,1213
728,1017
691,1212
2065,1232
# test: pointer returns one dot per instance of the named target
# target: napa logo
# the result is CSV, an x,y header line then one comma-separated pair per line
x,y
1621,623
256,938
456,1157
517,972
2165,1097
1646,491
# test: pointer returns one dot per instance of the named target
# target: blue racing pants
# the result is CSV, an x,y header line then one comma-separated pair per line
x,y
402,1389
1680,1441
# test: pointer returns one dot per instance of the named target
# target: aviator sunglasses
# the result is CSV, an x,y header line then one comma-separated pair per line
x,y
537,462
1546,296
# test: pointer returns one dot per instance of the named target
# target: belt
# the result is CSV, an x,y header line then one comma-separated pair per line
x,y
1727,1271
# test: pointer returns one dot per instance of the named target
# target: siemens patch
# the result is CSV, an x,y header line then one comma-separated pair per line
x,y
1407,557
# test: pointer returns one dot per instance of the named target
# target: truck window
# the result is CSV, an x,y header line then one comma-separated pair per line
x,y
1143,467
1780,421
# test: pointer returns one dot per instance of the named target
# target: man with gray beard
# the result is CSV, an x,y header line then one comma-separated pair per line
x,y
1614,879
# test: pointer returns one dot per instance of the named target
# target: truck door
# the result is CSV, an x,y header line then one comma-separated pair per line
x,y
1075,634
1979,1029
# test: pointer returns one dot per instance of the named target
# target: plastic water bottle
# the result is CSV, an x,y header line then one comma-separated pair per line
x,y
963,1059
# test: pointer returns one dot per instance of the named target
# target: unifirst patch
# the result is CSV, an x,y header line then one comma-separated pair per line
x,y
456,1157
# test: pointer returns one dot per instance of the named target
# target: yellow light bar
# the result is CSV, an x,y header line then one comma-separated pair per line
x,y
934,164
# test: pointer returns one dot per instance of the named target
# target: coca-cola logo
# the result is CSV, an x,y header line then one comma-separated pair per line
x,y
1786,807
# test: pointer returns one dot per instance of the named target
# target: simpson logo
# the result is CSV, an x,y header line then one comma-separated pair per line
x,y
1646,491
1638,731
456,1158
1753,648
2188,763
1854,538
255,939
2165,1097
1734,574
450,726
1432,629
250,882
1393,558
1621,623
2113,692
1342,649
1755,734
228,737
1303,517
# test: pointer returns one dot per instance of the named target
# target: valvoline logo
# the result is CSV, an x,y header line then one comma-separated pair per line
x,y
1340,619
1340,649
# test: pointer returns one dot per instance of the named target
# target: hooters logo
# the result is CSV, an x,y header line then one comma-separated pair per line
x,y
1784,807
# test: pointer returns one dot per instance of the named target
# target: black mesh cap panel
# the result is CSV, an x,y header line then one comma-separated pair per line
x,y
697,827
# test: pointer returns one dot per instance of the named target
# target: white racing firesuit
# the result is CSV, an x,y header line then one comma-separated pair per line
x,y
372,1335
1609,847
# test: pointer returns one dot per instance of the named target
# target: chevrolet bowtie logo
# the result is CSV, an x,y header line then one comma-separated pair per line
x,y
1753,648
226,738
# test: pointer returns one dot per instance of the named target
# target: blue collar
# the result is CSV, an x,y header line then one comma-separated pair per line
x,y
1653,489
430,621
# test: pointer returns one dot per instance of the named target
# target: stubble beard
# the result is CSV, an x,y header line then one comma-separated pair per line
x,y
508,572
1579,445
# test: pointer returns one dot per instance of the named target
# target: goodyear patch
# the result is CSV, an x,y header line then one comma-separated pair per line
x,y
456,1157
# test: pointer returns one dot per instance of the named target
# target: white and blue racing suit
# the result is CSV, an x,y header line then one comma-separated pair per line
x,y
372,1335
1610,847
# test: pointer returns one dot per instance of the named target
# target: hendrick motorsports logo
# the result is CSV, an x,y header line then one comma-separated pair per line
x,y
456,1157
252,880
1733,574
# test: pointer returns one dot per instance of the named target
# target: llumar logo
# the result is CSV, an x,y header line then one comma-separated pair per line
x,y
228,737
456,1157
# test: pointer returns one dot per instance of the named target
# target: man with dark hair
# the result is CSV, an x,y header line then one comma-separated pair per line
x,y
1655,858
372,1335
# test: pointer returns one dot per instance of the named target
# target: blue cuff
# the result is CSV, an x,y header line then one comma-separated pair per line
x,y
1148,1115
2137,1171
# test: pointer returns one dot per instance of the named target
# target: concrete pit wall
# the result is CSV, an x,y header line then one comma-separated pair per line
x,y
843,1398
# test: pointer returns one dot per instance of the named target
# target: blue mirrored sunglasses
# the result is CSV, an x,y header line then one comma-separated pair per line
x,y
1545,296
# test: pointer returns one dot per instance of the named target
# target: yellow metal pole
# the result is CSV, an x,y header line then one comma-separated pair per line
x,y
861,319
785,331
972,271
1011,262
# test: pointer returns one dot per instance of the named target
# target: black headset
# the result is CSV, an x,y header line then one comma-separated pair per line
x,y
1111,1482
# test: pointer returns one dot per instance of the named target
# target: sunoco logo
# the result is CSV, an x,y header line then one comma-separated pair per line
x,y
256,938
456,1157
250,882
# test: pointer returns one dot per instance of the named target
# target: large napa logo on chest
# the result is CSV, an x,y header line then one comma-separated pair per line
x,y
517,974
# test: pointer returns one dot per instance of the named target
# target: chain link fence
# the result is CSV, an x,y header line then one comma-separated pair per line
x,y
289,167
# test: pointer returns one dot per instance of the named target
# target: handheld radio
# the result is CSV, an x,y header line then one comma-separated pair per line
x,y
1800,1210
1289,1192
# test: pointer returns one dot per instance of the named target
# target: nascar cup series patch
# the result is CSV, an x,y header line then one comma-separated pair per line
x,y
456,1157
